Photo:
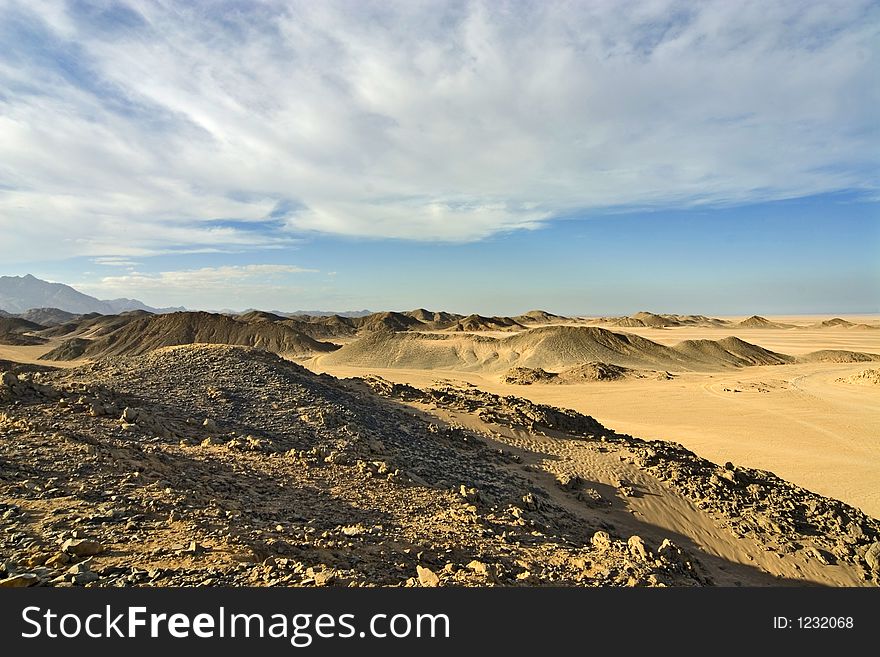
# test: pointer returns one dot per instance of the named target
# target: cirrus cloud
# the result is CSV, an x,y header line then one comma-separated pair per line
x,y
205,287
131,129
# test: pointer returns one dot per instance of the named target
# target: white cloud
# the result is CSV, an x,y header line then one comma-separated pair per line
x,y
206,287
114,261
198,278
183,129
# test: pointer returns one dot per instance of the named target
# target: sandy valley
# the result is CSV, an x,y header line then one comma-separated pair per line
x,y
799,420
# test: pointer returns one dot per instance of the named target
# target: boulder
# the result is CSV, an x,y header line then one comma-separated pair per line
x,y
427,577
324,577
478,567
81,573
601,540
872,557
19,581
81,547
637,548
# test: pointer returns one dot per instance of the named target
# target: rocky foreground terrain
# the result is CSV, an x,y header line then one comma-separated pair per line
x,y
229,466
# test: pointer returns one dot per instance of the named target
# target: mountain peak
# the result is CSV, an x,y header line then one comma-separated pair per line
x,y
18,294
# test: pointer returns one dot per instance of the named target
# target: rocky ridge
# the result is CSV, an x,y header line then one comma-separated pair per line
x,y
235,467
218,465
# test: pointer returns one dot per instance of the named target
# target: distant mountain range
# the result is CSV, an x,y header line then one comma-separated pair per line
x,y
19,294
296,313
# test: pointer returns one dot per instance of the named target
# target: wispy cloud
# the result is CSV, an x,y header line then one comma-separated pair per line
x,y
206,287
114,261
199,278
135,129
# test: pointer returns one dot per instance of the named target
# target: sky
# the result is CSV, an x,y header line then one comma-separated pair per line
x,y
583,157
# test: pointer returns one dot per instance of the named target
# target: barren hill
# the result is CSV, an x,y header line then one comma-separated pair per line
x,y
552,348
324,328
697,320
432,319
756,321
386,321
525,376
47,316
538,317
14,330
319,327
731,351
837,356
18,325
93,325
474,323
144,334
649,319
259,316
69,349
835,322
628,322
653,319
594,371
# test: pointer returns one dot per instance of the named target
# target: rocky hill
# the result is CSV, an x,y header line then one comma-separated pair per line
x,y
133,335
228,466
475,323
552,348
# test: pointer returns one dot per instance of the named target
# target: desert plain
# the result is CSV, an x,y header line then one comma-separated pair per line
x,y
803,421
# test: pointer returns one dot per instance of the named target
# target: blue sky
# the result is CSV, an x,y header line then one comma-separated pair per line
x,y
581,157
